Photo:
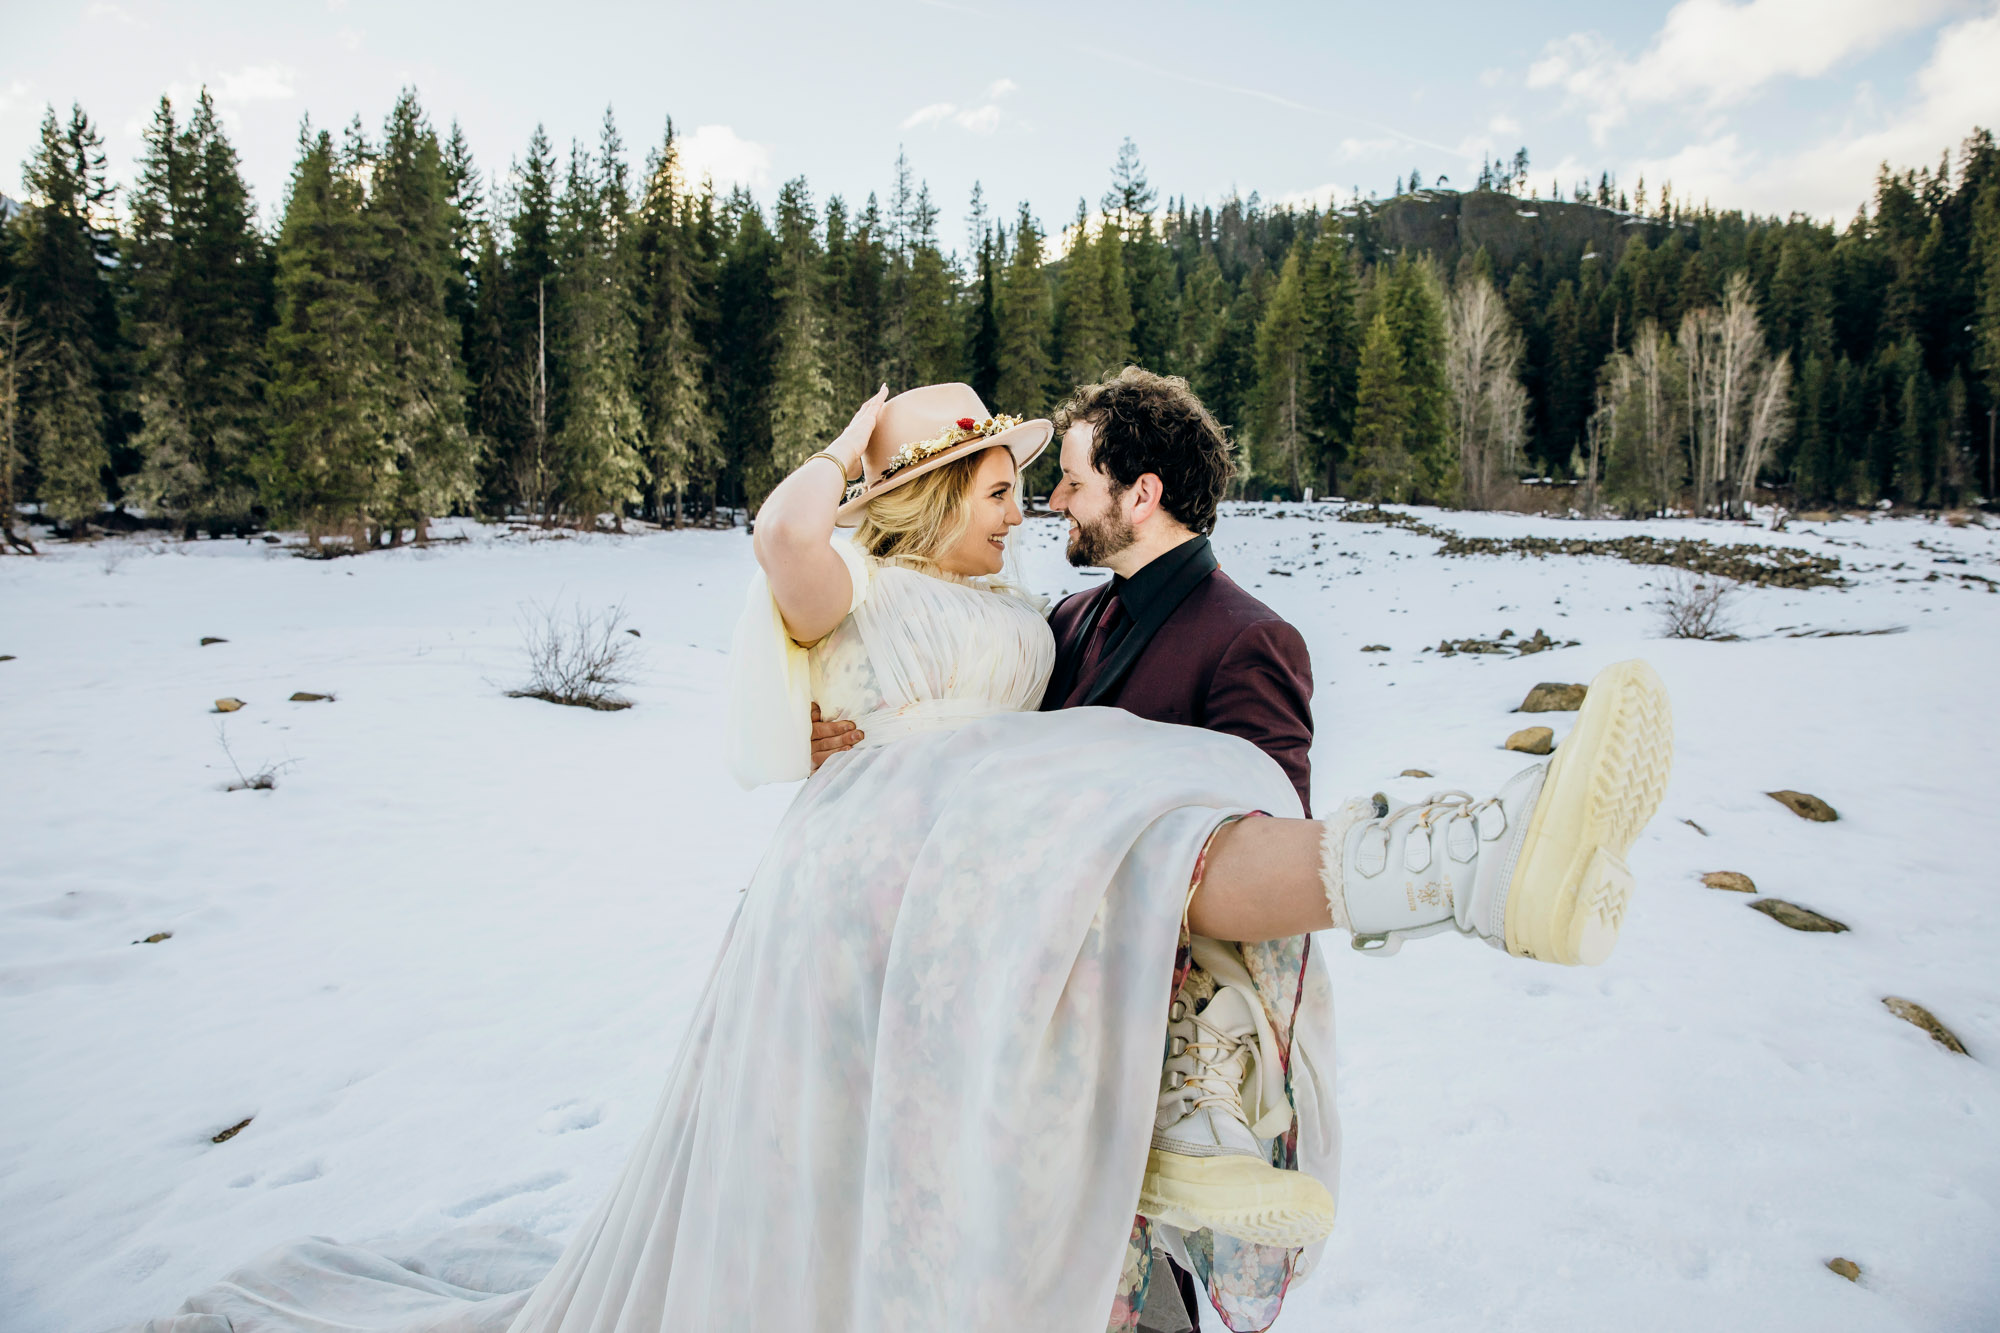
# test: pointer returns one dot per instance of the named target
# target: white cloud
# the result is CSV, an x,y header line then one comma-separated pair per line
x,y
980,120
108,13
1954,91
1000,88
1718,52
719,152
977,119
928,115
1322,197
255,83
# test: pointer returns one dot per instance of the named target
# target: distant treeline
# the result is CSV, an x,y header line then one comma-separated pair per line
x,y
582,341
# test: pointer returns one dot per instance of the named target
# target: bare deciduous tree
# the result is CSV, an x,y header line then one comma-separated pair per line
x,y
1489,405
1737,396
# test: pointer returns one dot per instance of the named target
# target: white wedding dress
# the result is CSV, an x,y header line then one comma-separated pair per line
x,y
918,1090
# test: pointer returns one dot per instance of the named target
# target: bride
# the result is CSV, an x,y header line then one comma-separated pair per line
x,y
917,1090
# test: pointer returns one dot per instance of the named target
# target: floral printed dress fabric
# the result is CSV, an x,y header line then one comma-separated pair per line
x,y
918,1089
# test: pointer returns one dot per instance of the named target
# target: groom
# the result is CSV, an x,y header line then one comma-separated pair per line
x,y
1170,638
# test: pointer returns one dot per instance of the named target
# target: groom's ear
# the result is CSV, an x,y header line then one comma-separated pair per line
x,y
1144,496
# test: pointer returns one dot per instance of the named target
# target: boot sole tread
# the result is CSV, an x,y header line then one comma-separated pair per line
x,y
1571,887
1237,1196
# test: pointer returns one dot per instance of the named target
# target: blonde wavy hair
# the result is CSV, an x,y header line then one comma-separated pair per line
x,y
918,521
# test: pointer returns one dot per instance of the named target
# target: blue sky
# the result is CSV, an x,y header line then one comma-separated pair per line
x,y
1772,105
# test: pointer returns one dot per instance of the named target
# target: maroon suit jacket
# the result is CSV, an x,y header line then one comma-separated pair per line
x,y
1221,660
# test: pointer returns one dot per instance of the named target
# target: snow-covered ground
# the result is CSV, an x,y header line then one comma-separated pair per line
x,y
443,965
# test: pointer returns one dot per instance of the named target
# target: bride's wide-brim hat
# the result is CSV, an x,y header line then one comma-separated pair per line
x,y
923,429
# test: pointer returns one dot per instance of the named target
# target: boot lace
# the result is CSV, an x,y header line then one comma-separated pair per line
x,y
1219,1066
1442,805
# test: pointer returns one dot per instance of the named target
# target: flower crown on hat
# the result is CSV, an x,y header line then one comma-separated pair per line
x,y
962,431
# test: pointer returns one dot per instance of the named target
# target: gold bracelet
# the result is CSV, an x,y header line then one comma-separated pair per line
x,y
832,458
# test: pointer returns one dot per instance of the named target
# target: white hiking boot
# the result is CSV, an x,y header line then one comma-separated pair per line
x,y
1207,1168
1538,869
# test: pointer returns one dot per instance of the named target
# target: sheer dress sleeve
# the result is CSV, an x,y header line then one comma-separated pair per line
x,y
769,736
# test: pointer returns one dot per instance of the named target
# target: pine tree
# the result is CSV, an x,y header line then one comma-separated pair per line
x,y
469,227
801,391
1412,305
519,378
1985,264
171,480
1204,298
673,363
417,234
328,464
61,270
1383,467
744,340
1025,369
1148,266
982,331
1333,346
935,347
856,282
1226,379
18,354
597,443
1093,313
1281,380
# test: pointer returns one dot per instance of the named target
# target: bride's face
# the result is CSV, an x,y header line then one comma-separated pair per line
x,y
991,512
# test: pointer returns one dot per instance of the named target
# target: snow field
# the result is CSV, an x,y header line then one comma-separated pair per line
x,y
441,965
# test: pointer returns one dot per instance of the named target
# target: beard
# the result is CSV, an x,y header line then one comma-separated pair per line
x,y
1094,543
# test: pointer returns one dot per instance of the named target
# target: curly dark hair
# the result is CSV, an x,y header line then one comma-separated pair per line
x,y
1154,423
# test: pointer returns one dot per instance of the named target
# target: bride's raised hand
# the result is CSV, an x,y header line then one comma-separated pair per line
x,y
853,441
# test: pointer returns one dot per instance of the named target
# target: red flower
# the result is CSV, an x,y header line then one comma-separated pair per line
x,y
966,423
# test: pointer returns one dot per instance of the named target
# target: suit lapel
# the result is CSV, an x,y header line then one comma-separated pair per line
x,y
1199,564
1069,655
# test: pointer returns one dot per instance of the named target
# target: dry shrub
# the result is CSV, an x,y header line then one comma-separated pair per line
x,y
263,778
1696,606
578,659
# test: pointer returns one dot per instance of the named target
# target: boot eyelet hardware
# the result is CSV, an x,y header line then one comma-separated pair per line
x,y
1177,1011
1176,1046
1177,1080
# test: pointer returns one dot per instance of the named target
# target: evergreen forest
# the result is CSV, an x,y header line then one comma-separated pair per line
x,y
585,338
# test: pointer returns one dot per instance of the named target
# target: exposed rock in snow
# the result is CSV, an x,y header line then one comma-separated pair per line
x,y
1805,806
1553,697
1912,1012
1532,740
1795,916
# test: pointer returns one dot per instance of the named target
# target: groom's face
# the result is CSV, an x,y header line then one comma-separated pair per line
x,y
1099,528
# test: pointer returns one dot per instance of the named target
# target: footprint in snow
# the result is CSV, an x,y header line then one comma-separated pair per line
x,y
533,1185
298,1175
571,1116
